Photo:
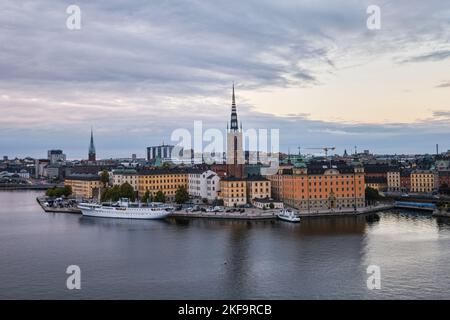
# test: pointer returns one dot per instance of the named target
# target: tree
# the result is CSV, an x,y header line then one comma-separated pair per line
x,y
59,192
160,197
147,197
127,191
444,189
181,195
371,194
104,177
112,194
271,205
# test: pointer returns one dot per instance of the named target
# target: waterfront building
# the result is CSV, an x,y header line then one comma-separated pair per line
x,y
423,181
56,156
233,191
203,184
393,180
121,176
319,185
235,154
258,187
84,185
165,180
91,153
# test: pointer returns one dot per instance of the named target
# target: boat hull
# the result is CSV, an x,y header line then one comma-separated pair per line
x,y
288,219
128,213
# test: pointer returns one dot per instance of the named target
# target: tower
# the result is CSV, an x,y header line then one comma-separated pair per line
x,y
91,156
235,153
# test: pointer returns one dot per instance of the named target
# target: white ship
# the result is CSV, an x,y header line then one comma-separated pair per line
x,y
123,209
288,215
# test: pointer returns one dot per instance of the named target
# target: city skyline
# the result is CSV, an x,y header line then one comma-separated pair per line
x,y
311,69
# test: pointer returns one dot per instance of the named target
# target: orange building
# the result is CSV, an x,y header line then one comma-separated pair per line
x,y
319,186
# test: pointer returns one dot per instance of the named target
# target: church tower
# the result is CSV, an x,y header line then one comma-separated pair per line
x,y
91,156
235,153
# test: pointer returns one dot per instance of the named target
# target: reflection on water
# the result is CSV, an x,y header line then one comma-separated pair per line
x,y
220,259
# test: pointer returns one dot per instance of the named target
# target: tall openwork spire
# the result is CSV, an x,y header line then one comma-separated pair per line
x,y
234,122
92,147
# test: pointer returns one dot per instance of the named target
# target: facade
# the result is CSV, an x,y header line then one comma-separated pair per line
x,y
235,154
84,185
258,187
121,176
55,156
377,183
167,181
423,181
405,180
444,178
91,153
204,184
319,186
393,181
233,191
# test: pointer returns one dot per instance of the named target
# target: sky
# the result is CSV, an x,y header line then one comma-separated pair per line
x,y
137,70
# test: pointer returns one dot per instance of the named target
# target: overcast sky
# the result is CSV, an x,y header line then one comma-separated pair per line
x,y
137,70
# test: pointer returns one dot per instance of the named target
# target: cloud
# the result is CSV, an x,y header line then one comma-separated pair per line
x,y
138,69
443,85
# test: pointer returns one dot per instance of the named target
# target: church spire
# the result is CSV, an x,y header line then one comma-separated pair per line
x,y
234,122
92,148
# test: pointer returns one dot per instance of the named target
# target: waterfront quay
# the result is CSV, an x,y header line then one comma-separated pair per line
x,y
69,206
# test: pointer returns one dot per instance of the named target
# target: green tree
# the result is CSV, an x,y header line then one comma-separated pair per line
x,y
147,197
67,191
104,177
127,191
59,192
371,194
271,205
160,197
111,194
181,195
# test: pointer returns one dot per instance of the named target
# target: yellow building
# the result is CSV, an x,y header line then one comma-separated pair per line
x,y
423,181
167,181
233,191
84,185
258,187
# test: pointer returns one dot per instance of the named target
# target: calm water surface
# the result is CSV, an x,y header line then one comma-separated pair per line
x,y
212,259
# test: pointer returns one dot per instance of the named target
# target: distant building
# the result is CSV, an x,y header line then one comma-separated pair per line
x,y
405,180
444,178
56,156
84,185
393,180
423,181
235,154
377,183
91,154
163,152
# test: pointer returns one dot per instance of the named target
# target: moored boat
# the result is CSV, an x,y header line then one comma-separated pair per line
x,y
123,209
288,215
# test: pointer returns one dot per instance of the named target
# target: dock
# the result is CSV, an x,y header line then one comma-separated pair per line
x,y
42,200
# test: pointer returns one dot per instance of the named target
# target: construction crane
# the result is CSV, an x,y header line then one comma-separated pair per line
x,y
325,149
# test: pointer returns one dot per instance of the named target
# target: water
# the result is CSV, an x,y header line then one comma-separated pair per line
x,y
213,259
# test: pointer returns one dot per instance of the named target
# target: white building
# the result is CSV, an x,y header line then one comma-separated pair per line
x,y
204,185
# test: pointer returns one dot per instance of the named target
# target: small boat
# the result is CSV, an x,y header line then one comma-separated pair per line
x,y
288,215
125,210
